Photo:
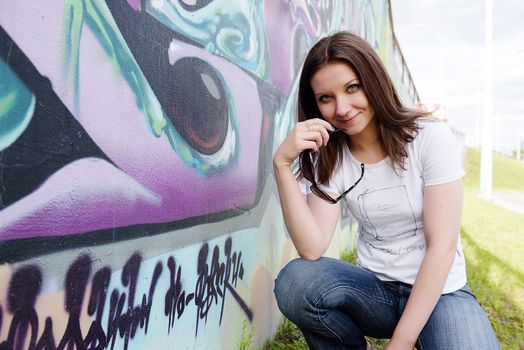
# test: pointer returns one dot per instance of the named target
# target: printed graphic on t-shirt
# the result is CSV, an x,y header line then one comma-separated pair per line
x,y
386,217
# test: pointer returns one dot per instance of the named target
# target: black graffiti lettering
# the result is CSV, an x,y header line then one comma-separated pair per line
x,y
146,305
234,262
96,338
98,293
176,300
129,279
116,305
222,274
227,251
204,290
238,270
135,316
47,340
75,286
217,271
215,280
24,288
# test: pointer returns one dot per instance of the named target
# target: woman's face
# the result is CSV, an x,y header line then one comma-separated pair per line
x,y
341,99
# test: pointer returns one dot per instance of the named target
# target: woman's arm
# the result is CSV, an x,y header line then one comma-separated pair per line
x,y
312,221
442,215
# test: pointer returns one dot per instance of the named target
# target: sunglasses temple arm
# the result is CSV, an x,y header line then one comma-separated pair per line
x,y
356,183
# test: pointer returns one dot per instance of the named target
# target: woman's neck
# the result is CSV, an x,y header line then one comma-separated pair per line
x,y
366,146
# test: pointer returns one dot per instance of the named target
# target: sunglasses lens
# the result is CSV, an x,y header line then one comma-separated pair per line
x,y
317,192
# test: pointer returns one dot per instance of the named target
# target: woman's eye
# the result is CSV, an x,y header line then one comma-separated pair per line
x,y
324,98
353,87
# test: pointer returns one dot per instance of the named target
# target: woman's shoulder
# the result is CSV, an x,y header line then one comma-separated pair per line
x,y
431,128
434,137
431,123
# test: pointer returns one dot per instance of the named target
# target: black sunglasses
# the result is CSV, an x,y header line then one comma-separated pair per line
x,y
306,168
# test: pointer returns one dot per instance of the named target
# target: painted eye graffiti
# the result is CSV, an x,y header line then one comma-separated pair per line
x,y
199,107
194,5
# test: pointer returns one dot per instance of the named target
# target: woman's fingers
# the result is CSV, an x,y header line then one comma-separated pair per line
x,y
322,122
311,145
310,134
316,137
317,129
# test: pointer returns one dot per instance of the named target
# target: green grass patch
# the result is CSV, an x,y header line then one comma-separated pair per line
x,y
493,240
508,174
288,337
247,337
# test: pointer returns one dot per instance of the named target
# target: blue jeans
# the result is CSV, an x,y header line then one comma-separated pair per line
x,y
336,304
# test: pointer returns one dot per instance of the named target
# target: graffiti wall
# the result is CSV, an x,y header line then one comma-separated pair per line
x,y
138,208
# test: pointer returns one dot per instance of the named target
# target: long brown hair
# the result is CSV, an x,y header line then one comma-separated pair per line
x,y
396,123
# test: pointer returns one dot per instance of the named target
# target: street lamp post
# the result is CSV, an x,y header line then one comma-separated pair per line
x,y
486,153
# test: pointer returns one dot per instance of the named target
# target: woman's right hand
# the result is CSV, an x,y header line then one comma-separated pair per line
x,y
310,134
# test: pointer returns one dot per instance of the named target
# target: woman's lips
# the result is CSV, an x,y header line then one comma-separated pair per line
x,y
347,121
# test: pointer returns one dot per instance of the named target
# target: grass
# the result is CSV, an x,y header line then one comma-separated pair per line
x,y
288,337
493,241
246,338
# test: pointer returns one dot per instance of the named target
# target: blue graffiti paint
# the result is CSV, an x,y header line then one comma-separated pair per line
x,y
17,105
232,29
96,15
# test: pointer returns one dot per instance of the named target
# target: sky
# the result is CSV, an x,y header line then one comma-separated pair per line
x,y
443,43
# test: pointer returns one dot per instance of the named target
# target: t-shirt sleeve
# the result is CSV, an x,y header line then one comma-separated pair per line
x,y
439,154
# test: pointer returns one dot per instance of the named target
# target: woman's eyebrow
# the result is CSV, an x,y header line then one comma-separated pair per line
x,y
351,81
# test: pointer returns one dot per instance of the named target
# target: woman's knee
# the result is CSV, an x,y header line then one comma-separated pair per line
x,y
294,283
289,278
458,322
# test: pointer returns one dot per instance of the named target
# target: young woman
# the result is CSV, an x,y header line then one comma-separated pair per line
x,y
400,175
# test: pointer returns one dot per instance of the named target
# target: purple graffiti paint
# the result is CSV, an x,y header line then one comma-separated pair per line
x,y
147,181
135,5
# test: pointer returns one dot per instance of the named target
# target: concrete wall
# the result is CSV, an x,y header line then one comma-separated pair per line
x,y
138,208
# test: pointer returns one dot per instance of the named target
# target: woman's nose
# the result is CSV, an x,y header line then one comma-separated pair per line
x,y
344,106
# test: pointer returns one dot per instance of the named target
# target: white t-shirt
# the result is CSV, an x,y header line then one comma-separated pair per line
x,y
388,206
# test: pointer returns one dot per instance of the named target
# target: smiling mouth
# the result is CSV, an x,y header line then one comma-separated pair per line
x,y
350,119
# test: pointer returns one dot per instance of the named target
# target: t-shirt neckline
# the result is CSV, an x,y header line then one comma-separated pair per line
x,y
367,165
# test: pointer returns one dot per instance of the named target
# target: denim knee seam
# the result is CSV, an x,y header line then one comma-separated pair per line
x,y
356,290
321,298
325,325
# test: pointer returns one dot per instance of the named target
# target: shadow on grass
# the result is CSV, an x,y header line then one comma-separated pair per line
x,y
505,315
493,259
